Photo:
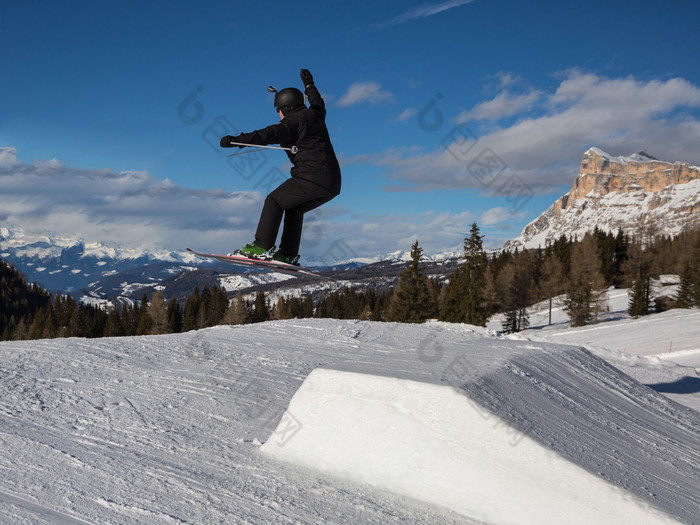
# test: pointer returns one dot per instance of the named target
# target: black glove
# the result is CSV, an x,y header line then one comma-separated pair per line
x,y
306,77
226,142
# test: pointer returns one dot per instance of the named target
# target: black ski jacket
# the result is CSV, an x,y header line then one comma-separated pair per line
x,y
305,128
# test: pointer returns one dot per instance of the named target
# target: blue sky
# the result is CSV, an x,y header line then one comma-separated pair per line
x,y
442,113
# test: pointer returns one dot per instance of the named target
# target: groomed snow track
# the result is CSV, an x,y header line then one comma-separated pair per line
x,y
166,429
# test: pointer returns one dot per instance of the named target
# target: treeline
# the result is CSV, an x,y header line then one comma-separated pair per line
x,y
507,282
62,316
17,298
578,270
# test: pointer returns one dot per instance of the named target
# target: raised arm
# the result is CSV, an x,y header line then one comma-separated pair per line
x,y
315,99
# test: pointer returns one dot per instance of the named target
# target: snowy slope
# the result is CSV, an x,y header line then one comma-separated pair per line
x,y
661,350
167,429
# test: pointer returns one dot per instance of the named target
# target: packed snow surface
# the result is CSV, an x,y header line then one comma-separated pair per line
x,y
168,429
431,442
661,350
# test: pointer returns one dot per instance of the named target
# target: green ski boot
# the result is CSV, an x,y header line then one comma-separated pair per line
x,y
288,260
253,251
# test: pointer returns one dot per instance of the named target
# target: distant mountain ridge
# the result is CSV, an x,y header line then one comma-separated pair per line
x,y
63,264
96,271
612,193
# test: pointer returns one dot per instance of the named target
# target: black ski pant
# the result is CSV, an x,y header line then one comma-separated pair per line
x,y
293,198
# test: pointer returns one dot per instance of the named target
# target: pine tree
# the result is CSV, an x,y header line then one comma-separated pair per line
x,y
261,310
64,307
279,310
218,306
113,326
585,296
516,321
99,322
608,261
465,300
619,257
204,308
20,333
131,315
307,308
296,307
329,307
516,300
39,328
51,330
354,304
158,312
236,313
412,300
640,301
552,282
191,315
685,298
79,323
563,249
144,320
174,317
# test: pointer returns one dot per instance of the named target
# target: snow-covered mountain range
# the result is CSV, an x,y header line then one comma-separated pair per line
x,y
65,264
638,193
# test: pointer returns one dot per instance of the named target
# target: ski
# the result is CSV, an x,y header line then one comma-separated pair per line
x,y
260,263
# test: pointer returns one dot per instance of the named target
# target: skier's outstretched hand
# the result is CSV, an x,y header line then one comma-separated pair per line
x,y
226,142
306,77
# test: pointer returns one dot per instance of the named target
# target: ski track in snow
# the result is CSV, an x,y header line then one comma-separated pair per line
x,y
166,429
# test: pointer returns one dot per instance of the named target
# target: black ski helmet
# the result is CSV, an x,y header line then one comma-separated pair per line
x,y
288,99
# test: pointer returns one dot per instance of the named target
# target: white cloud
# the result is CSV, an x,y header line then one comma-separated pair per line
x,y
406,114
502,105
8,158
361,92
423,11
549,133
506,79
494,216
129,208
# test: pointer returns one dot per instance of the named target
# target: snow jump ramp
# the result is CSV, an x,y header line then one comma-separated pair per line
x,y
434,443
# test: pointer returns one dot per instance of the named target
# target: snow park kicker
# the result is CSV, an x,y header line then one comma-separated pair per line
x,y
432,443
168,429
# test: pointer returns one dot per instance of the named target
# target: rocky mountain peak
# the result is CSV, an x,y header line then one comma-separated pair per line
x,y
620,192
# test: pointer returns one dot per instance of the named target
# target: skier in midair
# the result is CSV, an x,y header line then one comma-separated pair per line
x,y
315,172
